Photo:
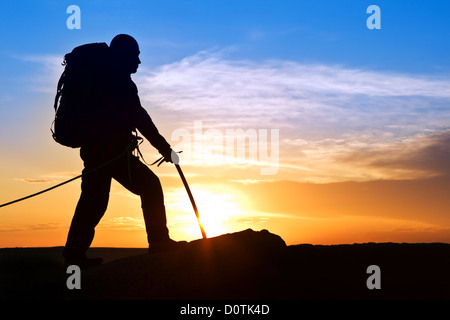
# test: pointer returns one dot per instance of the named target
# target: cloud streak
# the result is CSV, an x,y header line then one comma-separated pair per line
x,y
418,156
35,180
45,71
34,227
324,112
206,84
123,223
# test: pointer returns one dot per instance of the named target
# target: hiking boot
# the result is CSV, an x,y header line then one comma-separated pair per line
x,y
165,245
83,263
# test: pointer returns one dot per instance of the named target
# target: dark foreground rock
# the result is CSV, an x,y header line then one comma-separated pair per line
x,y
243,265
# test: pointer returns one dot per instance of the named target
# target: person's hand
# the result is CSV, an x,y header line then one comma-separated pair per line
x,y
174,157
171,156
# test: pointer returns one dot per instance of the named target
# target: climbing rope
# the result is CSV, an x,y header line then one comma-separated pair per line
x,y
127,151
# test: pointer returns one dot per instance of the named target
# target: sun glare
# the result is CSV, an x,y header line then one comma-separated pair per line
x,y
216,211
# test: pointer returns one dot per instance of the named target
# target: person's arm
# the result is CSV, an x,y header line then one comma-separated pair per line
x,y
147,128
143,122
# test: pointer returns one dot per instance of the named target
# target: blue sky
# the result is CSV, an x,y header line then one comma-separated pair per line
x,y
414,35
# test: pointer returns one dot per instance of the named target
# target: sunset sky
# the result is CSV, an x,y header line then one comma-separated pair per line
x,y
344,130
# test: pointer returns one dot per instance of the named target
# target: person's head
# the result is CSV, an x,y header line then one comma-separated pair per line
x,y
126,49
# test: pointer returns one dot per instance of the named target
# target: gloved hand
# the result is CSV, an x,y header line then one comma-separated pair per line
x,y
171,156
174,157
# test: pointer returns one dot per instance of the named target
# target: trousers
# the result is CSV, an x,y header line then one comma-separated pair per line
x,y
135,176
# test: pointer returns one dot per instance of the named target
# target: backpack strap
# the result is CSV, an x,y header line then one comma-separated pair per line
x,y
59,90
58,95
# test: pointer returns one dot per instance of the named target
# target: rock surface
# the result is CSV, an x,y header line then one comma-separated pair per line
x,y
255,265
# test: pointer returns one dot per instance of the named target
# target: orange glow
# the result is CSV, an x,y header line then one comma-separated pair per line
x,y
216,211
331,213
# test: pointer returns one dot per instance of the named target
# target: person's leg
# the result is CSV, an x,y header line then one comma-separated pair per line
x,y
91,206
139,179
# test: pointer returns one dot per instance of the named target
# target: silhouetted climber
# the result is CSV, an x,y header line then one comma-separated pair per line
x,y
115,123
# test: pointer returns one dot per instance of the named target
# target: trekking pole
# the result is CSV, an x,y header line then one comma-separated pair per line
x,y
191,198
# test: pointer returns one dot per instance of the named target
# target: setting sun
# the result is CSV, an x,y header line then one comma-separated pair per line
x,y
217,212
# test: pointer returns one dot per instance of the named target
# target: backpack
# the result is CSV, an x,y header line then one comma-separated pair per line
x,y
80,94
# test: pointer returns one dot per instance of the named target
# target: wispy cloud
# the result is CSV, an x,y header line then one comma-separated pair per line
x,y
34,180
123,223
207,84
415,157
33,227
44,71
323,112
48,178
